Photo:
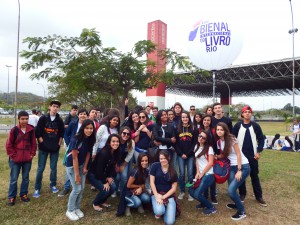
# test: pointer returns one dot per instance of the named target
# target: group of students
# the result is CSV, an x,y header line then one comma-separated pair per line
x,y
159,145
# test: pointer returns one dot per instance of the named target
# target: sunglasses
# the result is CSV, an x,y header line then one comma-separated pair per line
x,y
125,133
142,117
200,136
192,109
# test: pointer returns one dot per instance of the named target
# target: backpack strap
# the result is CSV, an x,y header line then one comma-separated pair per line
x,y
16,133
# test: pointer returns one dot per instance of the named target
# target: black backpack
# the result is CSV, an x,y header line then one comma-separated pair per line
x,y
16,133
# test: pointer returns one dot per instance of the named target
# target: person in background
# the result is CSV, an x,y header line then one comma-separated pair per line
x,y
276,142
197,121
219,116
148,111
251,141
209,111
33,118
39,113
92,116
287,144
295,128
170,114
192,112
72,115
49,133
177,110
266,144
77,166
154,114
98,115
21,148
163,181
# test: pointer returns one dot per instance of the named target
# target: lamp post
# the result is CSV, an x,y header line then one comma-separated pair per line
x,y
8,83
44,95
17,67
293,31
228,95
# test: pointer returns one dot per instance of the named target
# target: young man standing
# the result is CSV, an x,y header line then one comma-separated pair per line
x,y
295,128
219,117
72,117
192,112
251,141
21,148
49,133
33,118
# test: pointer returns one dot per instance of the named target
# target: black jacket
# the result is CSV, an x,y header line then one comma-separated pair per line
x,y
169,130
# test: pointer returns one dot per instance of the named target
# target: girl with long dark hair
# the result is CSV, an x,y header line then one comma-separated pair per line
x,y
239,167
204,155
76,166
102,172
163,181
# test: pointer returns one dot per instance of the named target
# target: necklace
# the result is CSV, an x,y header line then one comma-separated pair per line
x,y
165,170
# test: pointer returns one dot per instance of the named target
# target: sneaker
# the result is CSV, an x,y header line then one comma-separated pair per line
x,y
190,198
231,206
180,196
93,188
209,211
141,209
157,217
36,194
72,215
200,206
79,213
127,211
54,189
262,202
242,197
214,201
63,193
238,216
113,195
11,201
24,198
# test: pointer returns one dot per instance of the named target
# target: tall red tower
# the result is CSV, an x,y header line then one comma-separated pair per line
x,y
157,33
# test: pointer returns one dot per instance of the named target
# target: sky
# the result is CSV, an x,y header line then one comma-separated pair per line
x,y
264,25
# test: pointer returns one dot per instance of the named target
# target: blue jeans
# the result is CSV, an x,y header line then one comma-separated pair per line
x,y
233,185
122,177
67,185
14,175
169,210
189,162
42,160
103,195
198,193
77,189
138,200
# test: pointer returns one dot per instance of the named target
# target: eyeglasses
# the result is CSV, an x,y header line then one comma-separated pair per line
x,y
142,117
200,136
125,133
192,109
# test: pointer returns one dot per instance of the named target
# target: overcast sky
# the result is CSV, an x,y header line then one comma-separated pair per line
x,y
264,25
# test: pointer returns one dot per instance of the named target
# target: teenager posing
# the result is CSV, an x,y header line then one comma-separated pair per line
x,y
239,167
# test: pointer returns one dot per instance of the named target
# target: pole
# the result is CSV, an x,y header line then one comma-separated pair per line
x,y
17,67
228,95
293,31
44,95
214,85
8,84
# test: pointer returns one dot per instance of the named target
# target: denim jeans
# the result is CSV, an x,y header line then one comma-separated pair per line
x,y
67,185
198,193
42,160
213,191
169,210
138,200
14,175
103,195
77,189
233,185
297,145
122,177
189,162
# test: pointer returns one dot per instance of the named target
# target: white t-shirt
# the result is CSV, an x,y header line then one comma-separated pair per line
x,y
277,144
33,120
232,155
287,144
102,136
203,161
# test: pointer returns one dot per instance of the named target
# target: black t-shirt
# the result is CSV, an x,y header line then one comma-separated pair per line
x,y
162,180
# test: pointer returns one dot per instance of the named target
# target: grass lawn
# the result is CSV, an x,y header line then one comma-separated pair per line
x,y
279,174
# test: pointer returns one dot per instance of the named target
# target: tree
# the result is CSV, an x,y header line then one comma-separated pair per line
x,y
82,70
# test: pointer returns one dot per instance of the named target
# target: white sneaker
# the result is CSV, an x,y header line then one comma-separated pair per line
x,y
79,213
190,198
113,195
72,215
180,196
